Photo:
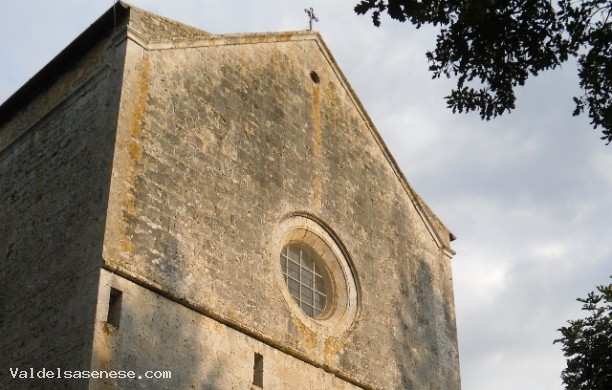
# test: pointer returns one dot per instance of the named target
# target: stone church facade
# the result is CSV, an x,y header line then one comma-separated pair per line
x,y
219,207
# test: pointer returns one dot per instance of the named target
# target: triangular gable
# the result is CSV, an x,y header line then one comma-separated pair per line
x,y
154,32
192,39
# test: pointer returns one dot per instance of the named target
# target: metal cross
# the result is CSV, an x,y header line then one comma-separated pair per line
x,y
311,17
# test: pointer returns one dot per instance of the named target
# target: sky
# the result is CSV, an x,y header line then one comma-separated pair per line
x,y
528,195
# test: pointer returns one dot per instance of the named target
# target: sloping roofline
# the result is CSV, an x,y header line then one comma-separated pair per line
x,y
120,11
61,63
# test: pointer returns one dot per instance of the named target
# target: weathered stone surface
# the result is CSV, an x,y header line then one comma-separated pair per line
x,y
54,184
216,141
204,353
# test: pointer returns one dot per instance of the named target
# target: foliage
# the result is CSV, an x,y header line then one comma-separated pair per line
x,y
587,344
493,46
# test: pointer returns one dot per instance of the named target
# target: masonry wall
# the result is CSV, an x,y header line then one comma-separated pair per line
x,y
218,143
185,349
55,165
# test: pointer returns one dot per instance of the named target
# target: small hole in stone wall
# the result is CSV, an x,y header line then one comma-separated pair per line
x,y
315,77
114,307
258,370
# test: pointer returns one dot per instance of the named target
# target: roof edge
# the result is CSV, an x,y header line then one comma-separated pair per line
x,y
222,39
104,26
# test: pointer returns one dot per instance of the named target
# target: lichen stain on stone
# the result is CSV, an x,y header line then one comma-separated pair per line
x,y
104,349
137,119
134,147
135,151
126,245
106,329
331,101
307,338
315,117
331,348
138,110
104,352
317,184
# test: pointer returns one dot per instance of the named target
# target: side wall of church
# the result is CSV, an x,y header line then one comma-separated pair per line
x,y
55,167
217,145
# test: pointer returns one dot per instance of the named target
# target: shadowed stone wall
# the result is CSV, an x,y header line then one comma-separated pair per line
x,y
55,166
